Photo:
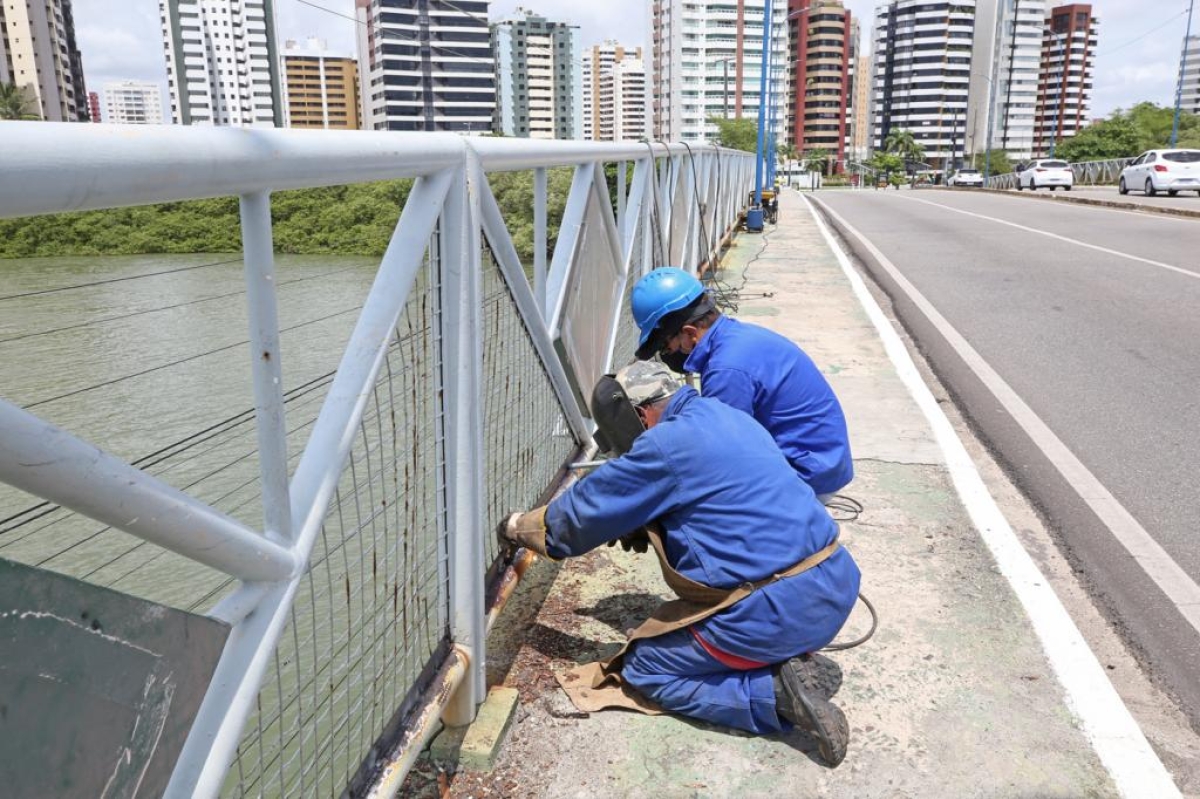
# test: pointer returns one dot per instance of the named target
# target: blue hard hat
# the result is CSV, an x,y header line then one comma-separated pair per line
x,y
664,290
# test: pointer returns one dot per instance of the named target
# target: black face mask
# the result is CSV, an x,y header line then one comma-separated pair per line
x,y
673,360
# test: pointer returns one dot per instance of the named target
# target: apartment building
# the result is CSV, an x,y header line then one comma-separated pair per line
x,y
706,61
597,60
130,102
1067,66
38,54
94,107
1005,75
321,88
539,88
922,72
426,65
821,34
860,135
622,112
1190,75
222,62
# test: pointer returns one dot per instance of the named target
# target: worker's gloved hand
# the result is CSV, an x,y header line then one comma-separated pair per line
x,y
525,530
637,541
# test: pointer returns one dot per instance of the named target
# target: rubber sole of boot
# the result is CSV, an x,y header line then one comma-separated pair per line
x,y
814,714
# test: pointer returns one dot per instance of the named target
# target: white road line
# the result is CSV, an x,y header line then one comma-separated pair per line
x,y
1096,247
1105,720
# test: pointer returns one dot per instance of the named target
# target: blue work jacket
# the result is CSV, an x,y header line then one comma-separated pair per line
x,y
733,511
764,374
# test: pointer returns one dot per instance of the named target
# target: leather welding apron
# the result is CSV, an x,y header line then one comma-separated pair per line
x,y
597,685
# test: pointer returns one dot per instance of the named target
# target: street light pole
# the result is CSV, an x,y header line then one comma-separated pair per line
x,y
763,80
725,85
1182,64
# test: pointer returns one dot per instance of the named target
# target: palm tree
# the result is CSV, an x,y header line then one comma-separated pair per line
x,y
817,160
904,144
789,154
14,103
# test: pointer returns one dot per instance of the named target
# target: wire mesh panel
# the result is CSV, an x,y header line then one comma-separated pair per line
x,y
682,203
627,331
526,437
371,610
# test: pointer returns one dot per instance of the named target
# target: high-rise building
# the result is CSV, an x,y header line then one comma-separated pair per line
x,y
922,68
38,55
427,65
590,111
1190,60
706,58
860,136
222,63
133,103
597,60
539,87
321,87
821,37
1068,63
1004,77
622,114
94,107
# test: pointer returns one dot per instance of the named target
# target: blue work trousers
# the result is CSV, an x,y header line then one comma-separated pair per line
x,y
678,674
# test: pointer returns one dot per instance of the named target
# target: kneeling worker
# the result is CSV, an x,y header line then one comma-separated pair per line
x,y
741,540
749,367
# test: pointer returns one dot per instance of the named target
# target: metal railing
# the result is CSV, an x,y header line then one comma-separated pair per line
x,y
1087,173
357,605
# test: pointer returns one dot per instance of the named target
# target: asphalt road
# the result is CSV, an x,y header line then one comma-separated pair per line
x,y
1091,316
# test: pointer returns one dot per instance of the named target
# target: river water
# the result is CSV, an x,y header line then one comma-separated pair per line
x,y
141,353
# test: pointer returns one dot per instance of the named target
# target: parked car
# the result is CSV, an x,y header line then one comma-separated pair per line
x,y
1045,173
1171,171
966,177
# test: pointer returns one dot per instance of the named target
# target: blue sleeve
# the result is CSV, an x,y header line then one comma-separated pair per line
x,y
733,387
617,498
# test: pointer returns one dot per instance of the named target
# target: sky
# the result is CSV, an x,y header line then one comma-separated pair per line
x,y
1137,58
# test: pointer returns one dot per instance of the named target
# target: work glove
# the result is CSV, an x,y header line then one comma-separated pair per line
x,y
637,541
525,530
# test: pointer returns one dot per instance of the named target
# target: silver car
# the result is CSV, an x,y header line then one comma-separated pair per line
x,y
1171,171
1045,173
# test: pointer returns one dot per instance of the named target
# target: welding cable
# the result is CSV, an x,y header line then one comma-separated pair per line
x,y
655,215
839,647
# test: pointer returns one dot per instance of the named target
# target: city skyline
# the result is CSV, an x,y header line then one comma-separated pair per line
x,y
1138,57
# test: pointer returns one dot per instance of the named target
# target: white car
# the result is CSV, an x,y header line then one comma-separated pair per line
x,y
1171,171
1045,173
966,177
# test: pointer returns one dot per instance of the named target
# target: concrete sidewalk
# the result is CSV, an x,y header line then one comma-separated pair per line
x,y
953,697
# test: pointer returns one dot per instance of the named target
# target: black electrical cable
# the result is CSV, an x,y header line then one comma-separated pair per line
x,y
655,216
106,320
838,647
160,367
24,294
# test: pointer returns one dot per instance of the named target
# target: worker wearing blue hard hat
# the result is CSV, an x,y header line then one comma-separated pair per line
x,y
750,368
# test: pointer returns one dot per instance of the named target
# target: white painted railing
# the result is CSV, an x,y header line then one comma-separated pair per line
x,y
413,426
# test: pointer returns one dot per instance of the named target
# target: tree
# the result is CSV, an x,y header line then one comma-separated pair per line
x,y
887,166
902,143
14,103
817,160
737,134
1127,133
998,164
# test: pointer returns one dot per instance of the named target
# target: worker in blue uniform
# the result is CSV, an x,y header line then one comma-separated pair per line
x,y
732,516
750,368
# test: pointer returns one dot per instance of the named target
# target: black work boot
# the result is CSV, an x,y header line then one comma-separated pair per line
x,y
797,699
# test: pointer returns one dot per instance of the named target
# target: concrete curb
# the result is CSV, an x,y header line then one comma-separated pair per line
x,y
1064,198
